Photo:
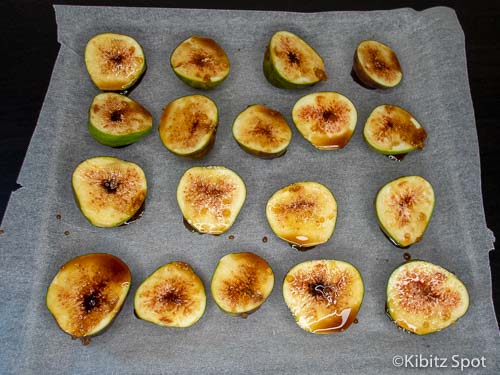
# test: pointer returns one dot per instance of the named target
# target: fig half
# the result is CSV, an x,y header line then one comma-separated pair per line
x,y
172,296
324,296
404,208
391,130
210,198
291,63
188,126
326,119
115,120
115,62
303,214
376,65
200,62
241,283
109,191
262,131
424,298
87,293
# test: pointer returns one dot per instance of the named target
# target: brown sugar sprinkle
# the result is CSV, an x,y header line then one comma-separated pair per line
x,y
231,237
264,239
66,232
355,321
422,292
323,285
407,256
326,116
209,193
58,216
397,126
243,289
118,58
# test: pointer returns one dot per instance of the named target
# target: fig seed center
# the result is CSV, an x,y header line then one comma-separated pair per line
x,y
111,185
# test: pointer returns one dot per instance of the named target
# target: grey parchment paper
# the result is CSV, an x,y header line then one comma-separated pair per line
x,y
430,45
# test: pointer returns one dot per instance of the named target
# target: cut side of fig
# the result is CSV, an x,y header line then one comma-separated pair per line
x,y
241,283
109,191
114,62
188,126
424,298
210,198
115,120
87,293
172,296
200,62
303,214
404,208
326,119
391,130
376,65
291,63
324,296
262,131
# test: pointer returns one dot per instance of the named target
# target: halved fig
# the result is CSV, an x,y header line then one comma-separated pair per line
x,y
324,296
303,214
326,119
262,131
424,298
210,198
404,208
241,283
376,65
291,63
115,62
87,293
109,191
200,62
188,126
115,120
391,130
172,296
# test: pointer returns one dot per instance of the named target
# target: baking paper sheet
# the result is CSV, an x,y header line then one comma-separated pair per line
x,y
430,46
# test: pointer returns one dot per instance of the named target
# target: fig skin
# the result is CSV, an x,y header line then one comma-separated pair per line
x,y
130,107
319,115
407,205
270,118
212,46
452,297
172,296
164,130
106,83
114,271
210,198
246,288
301,234
274,77
391,64
137,200
403,125
324,295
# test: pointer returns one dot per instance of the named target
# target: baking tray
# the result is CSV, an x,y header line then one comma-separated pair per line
x,y
430,46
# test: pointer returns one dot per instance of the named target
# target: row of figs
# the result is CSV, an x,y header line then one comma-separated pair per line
x,y
116,62
188,124
324,296
111,191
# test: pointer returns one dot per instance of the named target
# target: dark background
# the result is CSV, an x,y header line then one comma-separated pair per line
x,y
29,45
